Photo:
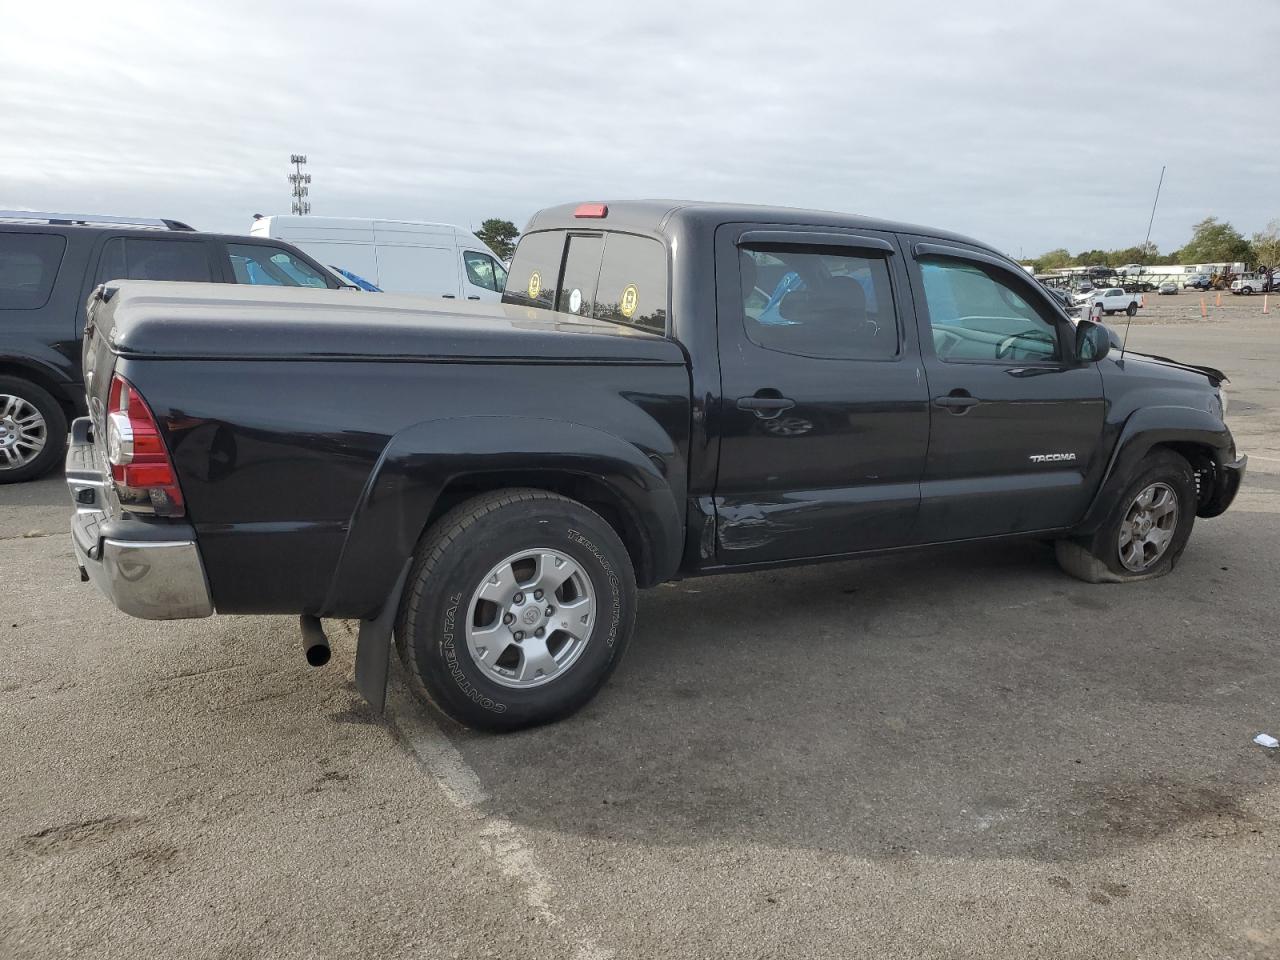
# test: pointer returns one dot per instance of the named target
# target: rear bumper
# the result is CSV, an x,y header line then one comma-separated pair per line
x,y
148,570
1225,489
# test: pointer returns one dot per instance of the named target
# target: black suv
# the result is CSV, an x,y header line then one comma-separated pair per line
x,y
49,264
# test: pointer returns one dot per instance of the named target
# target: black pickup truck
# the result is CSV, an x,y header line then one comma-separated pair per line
x,y
667,390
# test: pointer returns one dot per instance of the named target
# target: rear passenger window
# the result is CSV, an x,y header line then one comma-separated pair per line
x,y
28,266
136,258
819,302
535,270
633,283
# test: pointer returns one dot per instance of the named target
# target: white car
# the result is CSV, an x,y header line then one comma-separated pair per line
x,y
1111,300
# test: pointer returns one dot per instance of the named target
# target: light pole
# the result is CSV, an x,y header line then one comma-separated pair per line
x,y
301,205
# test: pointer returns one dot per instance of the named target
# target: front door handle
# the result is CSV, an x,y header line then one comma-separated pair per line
x,y
473,298
766,408
957,403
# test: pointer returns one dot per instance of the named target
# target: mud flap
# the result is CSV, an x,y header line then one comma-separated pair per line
x,y
373,647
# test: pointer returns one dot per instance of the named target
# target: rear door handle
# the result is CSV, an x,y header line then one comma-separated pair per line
x,y
473,298
765,407
957,403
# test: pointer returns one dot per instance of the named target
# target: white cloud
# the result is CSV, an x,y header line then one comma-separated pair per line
x,y
1027,125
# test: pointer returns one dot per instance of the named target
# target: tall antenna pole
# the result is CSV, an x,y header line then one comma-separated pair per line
x,y
1153,207
300,181
1160,183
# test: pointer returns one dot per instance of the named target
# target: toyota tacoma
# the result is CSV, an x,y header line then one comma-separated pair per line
x,y
667,390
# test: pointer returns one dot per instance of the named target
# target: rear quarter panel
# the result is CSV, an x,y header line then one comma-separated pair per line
x,y
277,458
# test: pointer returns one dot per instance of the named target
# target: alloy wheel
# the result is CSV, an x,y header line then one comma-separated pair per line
x,y
1148,527
530,618
23,432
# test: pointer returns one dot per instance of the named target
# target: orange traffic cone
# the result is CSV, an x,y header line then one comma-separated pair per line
x,y
1219,303
1204,311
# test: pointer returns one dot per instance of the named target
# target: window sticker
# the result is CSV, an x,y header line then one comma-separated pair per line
x,y
629,301
535,285
575,300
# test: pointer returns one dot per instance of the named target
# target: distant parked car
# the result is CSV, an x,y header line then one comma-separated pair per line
x,y
1168,287
1064,297
1198,282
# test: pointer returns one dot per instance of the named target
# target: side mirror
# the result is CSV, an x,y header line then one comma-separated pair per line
x,y
1093,341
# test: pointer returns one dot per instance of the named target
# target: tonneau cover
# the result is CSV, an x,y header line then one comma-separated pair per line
x,y
149,319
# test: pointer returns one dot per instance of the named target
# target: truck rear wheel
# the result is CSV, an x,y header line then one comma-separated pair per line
x,y
1131,309
1146,530
519,606
33,430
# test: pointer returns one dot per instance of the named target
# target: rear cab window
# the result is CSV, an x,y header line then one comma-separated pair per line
x,y
617,277
29,265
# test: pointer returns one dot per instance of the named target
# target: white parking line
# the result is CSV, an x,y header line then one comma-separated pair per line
x,y
498,837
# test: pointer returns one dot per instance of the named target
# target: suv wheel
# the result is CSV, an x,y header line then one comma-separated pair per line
x,y
1147,529
518,608
33,430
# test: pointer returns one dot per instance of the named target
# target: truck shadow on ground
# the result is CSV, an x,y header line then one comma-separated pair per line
x,y
969,702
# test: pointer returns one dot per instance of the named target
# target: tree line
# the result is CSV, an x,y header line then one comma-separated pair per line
x,y
1212,241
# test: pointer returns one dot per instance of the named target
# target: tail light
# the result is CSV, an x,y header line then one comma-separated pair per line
x,y
141,468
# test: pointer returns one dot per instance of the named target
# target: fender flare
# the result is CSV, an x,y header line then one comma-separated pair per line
x,y
421,460
44,375
1144,429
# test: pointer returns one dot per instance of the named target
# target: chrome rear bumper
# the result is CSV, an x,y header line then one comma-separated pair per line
x,y
148,570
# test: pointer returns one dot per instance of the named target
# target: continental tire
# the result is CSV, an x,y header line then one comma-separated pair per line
x,y
1147,529
519,606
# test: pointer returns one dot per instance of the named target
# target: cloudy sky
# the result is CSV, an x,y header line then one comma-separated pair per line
x,y
1030,125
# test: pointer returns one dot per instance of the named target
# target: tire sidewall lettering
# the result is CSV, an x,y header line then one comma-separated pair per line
x,y
449,650
610,576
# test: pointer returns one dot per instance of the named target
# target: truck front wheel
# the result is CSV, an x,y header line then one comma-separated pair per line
x,y
519,606
1146,530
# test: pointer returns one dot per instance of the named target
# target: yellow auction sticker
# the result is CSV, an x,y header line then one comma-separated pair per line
x,y
630,299
535,285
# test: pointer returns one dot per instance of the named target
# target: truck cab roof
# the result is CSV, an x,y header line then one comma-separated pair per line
x,y
659,217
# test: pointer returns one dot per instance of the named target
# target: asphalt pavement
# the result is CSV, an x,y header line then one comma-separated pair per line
x,y
962,753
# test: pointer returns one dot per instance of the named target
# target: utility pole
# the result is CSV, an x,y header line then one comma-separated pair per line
x,y
300,181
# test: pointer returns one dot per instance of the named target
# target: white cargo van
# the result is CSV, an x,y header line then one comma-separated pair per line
x,y
399,256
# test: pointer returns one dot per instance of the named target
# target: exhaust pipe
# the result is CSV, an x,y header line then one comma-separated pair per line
x,y
314,643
